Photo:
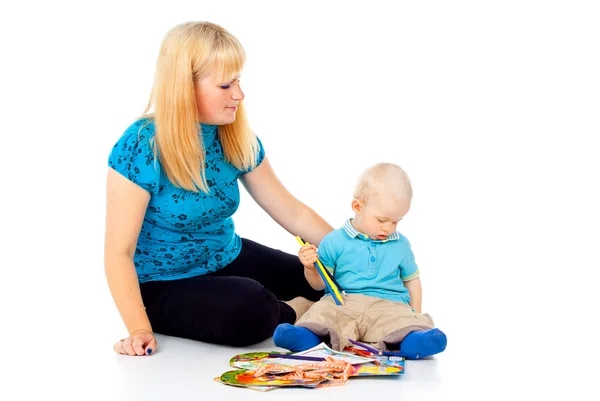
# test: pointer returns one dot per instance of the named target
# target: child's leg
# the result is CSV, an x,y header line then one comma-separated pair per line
x,y
323,322
395,326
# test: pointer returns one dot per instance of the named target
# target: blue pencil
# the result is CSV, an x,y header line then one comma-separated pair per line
x,y
340,288
365,346
327,284
322,274
336,283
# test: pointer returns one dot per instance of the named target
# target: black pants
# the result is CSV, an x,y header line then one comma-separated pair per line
x,y
238,305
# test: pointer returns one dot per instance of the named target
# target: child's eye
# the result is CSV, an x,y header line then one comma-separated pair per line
x,y
224,86
381,221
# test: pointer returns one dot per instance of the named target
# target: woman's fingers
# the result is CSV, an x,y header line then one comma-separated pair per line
x,y
128,346
118,347
138,346
151,347
143,343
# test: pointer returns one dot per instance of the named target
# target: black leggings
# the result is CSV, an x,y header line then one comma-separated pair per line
x,y
237,305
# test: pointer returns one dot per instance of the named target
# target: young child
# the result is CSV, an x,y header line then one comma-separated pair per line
x,y
376,267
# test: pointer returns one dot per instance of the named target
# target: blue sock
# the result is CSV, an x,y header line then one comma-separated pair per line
x,y
294,338
420,344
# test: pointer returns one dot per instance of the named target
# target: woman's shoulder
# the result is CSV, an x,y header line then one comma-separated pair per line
x,y
141,131
136,141
133,155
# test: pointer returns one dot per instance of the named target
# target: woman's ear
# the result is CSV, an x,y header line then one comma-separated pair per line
x,y
356,206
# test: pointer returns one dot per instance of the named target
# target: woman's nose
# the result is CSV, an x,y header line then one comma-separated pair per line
x,y
238,94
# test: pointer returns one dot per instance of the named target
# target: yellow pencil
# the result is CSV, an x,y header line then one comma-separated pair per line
x,y
325,276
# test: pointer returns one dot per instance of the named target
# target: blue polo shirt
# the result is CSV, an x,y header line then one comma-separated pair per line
x,y
362,265
184,233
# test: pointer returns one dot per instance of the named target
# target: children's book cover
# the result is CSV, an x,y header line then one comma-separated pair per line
x,y
365,366
264,371
247,378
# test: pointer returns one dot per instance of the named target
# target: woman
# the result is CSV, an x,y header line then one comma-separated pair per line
x,y
173,261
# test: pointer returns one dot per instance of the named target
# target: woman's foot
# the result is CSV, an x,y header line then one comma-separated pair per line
x,y
300,305
294,338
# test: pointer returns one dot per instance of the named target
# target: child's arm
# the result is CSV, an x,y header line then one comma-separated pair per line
x,y
416,293
308,256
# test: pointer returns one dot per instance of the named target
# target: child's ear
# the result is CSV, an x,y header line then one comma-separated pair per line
x,y
356,206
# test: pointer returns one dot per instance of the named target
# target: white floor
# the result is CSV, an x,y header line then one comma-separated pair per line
x,y
184,370
491,106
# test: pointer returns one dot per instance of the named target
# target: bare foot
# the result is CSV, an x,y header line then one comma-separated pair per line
x,y
300,305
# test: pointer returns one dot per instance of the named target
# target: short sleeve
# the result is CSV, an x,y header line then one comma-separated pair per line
x,y
408,266
328,253
260,156
132,156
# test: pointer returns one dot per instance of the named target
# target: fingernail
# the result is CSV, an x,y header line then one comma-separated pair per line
x,y
149,351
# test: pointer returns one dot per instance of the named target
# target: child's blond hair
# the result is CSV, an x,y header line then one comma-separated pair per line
x,y
386,178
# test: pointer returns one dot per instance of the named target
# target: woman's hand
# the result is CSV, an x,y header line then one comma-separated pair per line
x,y
140,342
308,256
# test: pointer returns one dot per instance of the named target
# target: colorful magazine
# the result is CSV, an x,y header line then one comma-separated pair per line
x,y
266,371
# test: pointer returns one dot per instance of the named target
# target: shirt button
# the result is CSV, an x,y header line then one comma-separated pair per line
x,y
373,259
372,244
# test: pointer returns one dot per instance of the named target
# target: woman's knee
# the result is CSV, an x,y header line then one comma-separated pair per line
x,y
253,317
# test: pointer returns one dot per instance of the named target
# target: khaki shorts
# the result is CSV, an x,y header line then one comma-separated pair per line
x,y
363,318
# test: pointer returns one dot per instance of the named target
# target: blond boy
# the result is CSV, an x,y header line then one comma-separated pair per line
x,y
376,267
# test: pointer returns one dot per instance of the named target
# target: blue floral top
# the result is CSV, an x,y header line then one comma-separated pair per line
x,y
184,233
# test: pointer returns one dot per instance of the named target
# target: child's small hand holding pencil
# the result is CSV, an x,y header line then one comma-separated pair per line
x,y
308,256
323,278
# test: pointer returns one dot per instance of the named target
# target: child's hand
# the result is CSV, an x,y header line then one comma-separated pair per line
x,y
308,256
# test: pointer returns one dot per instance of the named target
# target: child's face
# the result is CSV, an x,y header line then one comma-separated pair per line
x,y
379,217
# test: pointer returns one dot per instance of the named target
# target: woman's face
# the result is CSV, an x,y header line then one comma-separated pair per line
x,y
218,101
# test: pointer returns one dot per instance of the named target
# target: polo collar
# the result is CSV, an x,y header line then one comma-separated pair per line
x,y
354,233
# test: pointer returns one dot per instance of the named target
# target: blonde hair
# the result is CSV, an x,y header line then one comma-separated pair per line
x,y
189,52
384,178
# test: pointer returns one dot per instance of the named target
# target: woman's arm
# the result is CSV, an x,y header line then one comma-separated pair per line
x,y
416,293
126,205
291,214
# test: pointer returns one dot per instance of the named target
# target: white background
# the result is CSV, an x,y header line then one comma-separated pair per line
x,y
491,107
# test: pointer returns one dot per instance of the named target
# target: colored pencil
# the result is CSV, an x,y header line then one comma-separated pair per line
x,y
299,357
334,287
358,351
365,346
331,276
334,280
325,277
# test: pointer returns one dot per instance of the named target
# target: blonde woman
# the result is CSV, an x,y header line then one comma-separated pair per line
x,y
173,261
